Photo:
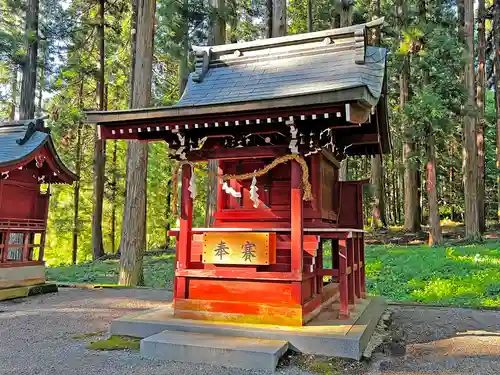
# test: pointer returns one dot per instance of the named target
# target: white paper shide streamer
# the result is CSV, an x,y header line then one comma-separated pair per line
x,y
254,196
192,184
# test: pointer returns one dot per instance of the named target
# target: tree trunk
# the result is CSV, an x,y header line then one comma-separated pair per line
x,y
346,13
480,96
309,16
378,207
435,235
218,27
470,165
218,36
76,194
461,15
183,66
12,115
99,153
377,174
269,18
28,84
345,20
76,188
279,18
496,31
411,198
133,43
133,240
41,84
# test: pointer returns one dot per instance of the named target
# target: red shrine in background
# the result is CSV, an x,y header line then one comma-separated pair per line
x,y
28,159
304,102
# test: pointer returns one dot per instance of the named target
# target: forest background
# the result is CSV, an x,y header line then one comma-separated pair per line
x,y
444,114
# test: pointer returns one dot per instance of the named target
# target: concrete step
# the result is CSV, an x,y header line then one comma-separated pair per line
x,y
240,352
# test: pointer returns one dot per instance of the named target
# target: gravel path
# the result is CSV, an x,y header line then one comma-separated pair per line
x,y
447,341
37,336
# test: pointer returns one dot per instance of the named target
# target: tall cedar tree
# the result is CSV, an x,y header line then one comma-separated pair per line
x,y
29,64
345,20
435,233
217,36
133,240
99,152
480,97
278,18
184,63
411,198
76,186
378,207
470,166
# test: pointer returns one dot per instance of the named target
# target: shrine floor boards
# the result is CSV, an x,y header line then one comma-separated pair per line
x,y
324,335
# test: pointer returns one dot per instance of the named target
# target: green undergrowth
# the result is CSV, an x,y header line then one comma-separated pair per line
x,y
158,272
116,343
459,275
466,276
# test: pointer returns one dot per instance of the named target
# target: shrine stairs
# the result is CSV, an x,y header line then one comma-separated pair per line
x,y
251,346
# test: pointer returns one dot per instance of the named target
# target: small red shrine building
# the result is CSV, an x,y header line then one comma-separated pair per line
x,y
28,159
278,115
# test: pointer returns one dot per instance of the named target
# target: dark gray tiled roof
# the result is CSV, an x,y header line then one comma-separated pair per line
x,y
332,69
10,151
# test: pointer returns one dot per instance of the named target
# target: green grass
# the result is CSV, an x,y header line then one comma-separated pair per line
x,y
158,272
116,343
467,276
88,335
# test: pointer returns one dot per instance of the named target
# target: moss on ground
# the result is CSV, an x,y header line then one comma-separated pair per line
x,y
116,343
88,335
322,365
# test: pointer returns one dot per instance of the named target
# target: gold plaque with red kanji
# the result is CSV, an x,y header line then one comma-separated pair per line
x,y
239,248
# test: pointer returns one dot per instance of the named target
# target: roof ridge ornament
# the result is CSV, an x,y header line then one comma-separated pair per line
x,y
202,60
360,42
33,127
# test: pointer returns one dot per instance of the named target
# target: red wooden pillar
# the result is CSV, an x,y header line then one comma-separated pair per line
x,y
350,276
185,232
343,285
297,228
362,264
357,269
297,222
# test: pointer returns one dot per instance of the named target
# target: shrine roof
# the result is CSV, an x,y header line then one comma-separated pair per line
x,y
22,141
325,67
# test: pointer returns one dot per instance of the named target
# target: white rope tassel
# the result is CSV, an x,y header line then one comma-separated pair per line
x,y
230,190
254,196
192,184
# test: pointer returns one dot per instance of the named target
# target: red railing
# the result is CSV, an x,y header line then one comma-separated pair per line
x,y
12,224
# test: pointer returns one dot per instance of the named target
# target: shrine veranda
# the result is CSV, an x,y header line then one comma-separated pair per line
x,y
302,103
